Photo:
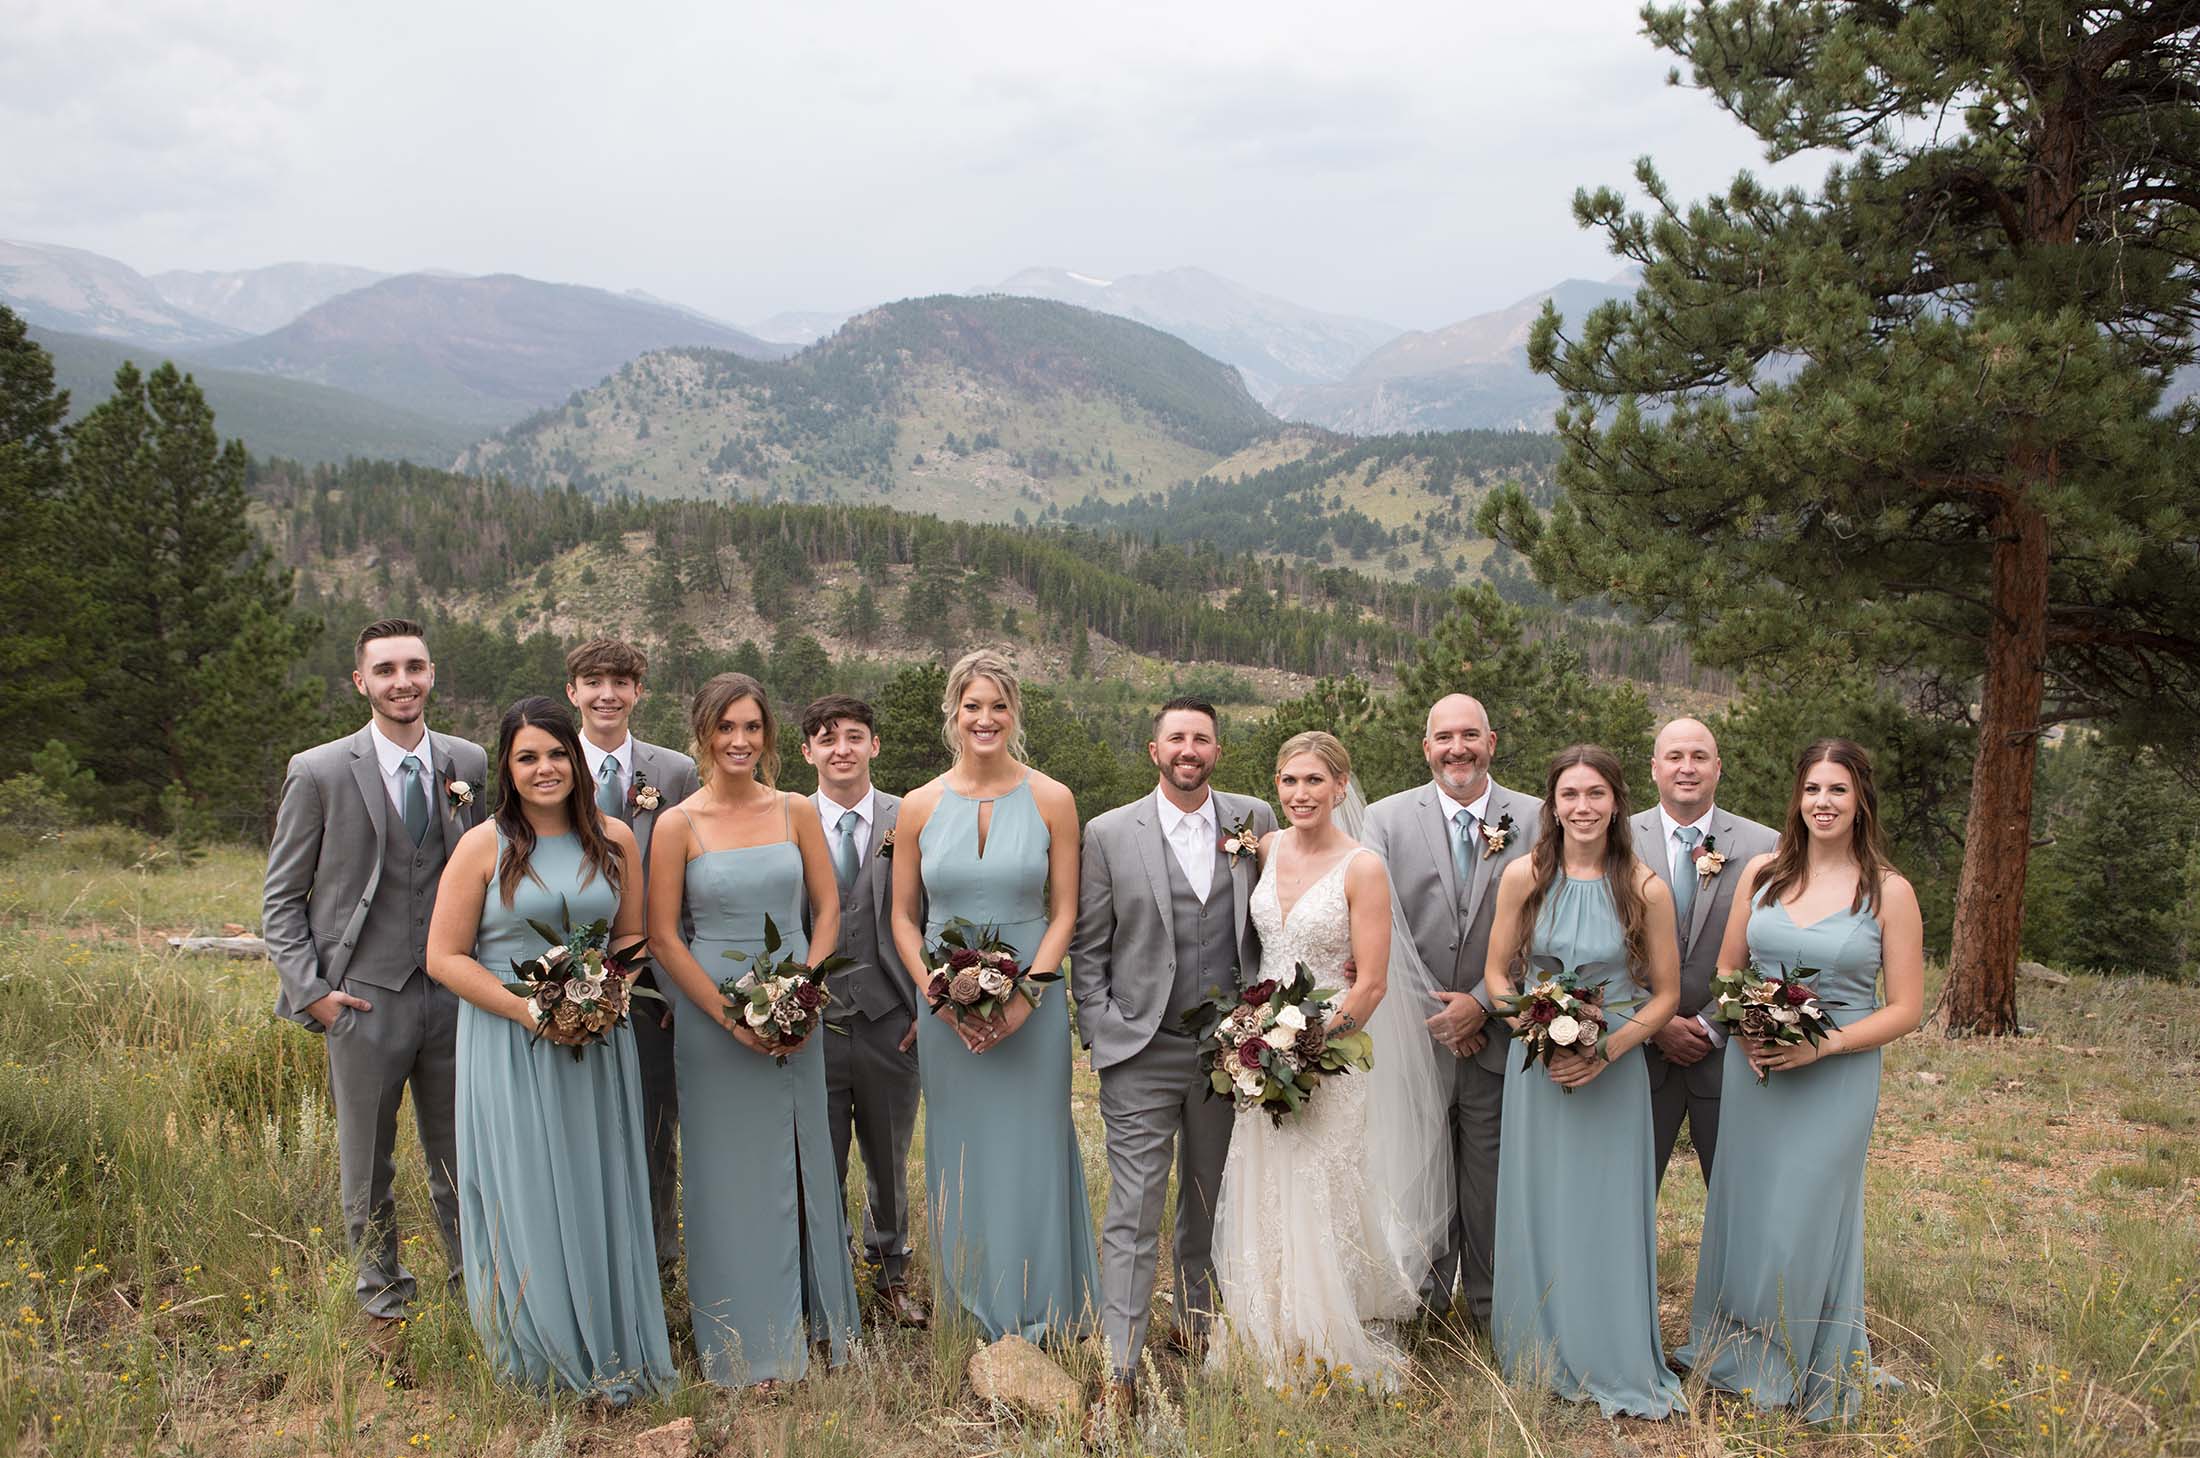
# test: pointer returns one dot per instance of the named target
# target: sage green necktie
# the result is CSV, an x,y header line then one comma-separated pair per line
x,y
844,850
1462,843
607,787
1685,877
416,798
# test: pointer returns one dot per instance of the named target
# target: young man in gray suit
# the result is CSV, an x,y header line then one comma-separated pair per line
x,y
360,839
1446,843
635,781
1700,850
871,1086
1161,924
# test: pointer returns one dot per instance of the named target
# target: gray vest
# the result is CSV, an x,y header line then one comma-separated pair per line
x,y
393,941
1206,939
865,987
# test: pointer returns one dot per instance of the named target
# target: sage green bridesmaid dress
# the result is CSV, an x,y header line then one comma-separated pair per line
x,y
766,1234
553,1180
1779,1311
1575,1304
1011,1225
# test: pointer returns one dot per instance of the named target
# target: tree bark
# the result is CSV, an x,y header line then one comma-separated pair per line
x,y
1980,995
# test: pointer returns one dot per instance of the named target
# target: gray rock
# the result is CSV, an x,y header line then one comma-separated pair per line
x,y
1015,1373
2038,972
675,1439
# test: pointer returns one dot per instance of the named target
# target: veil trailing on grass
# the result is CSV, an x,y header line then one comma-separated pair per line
x,y
1409,1100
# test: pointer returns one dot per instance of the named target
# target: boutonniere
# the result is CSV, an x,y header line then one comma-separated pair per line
x,y
459,793
1710,860
1496,837
643,795
1240,842
885,849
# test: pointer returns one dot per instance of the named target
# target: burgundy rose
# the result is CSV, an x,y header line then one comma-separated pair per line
x,y
960,958
810,996
938,987
1259,993
1797,994
1543,1012
1248,1053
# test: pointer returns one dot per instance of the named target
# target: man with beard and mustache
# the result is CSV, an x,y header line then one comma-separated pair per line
x,y
364,827
1447,842
1161,925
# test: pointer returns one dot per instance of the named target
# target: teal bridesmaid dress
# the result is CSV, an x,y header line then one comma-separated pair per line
x,y
1011,1225
767,1238
553,1180
1575,1305
1779,1313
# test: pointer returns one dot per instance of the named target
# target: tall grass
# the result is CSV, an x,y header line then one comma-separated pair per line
x,y
172,1277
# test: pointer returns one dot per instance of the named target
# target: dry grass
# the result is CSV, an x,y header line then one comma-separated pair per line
x,y
170,1281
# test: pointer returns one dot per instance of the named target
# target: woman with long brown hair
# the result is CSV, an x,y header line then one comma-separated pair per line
x,y
1779,1311
767,1234
1575,1306
550,1154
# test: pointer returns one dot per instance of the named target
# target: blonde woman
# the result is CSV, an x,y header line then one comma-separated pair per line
x,y
994,842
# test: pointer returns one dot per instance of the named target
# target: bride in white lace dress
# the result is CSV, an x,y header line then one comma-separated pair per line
x,y
1321,1233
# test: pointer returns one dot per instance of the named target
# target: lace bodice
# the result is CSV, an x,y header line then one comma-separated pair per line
x,y
1318,931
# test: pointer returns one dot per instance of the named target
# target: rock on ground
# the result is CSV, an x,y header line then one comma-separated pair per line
x,y
1014,1372
675,1439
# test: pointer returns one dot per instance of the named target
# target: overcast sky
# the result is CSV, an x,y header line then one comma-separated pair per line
x,y
1410,162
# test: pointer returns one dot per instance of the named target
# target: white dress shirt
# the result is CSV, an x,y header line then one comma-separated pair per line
x,y
1192,836
830,810
390,755
596,757
1680,863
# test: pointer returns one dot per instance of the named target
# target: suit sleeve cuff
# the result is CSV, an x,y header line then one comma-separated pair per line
x,y
1711,1031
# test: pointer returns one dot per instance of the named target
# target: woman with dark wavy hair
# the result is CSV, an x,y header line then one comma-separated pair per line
x,y
1575,1306
1779,1312
553,1184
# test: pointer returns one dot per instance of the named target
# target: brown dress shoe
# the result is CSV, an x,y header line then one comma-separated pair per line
x,y
904,1306
1116,1405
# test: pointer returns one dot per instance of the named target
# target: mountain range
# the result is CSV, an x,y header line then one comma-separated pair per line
x,y
256,300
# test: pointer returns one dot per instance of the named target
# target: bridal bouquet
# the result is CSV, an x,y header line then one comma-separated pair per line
x,y
1557,1015
578,983
1770,1009
779,1000
1269,1047
977,973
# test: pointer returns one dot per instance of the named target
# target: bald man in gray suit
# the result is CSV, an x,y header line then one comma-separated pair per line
x,y
1447,843
1699,849
360,839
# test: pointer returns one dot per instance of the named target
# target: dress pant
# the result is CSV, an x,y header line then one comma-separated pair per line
x,y
871,1093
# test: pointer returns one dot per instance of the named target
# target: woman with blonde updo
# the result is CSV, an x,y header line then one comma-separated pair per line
x,y
994,842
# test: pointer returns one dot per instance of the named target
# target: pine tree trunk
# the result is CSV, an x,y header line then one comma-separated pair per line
x,y
1980,995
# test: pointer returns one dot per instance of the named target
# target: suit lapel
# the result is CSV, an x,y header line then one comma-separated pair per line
x,y
366,768
1480,859
1151,848
1650,847
1722,828
1429,816
441,810
643,771
1241,888
883,815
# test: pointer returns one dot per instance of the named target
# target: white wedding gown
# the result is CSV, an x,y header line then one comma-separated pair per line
x,y
1310,1253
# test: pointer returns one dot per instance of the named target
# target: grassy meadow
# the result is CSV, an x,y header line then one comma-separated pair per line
x,y
173,1281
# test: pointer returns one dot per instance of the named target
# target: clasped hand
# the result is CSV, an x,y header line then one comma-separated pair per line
x,y
1458,1024
1571,1070
1767,1058
979,1034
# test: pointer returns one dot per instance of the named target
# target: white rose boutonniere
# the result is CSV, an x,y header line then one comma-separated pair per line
x,y
459,793
1496,837
1710,860
1241,842
644,796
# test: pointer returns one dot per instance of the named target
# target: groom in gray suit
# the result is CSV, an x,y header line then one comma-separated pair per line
x,y
1446,843
871,1083
635,781
1700,850
360,839
1161,925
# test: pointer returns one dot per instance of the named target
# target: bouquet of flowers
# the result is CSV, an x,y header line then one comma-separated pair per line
x,y
1768,1008
977,973
1269,1047
578,983
1557,1015
778,999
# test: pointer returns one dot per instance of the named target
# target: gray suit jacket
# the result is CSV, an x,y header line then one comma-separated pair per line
x,y
1122,956
673,774
1451,922
875,878
326,859
1737,839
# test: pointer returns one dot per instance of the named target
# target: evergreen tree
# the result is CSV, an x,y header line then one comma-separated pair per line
x,y
2114,877
1912,422
190,694
39,680
911,750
